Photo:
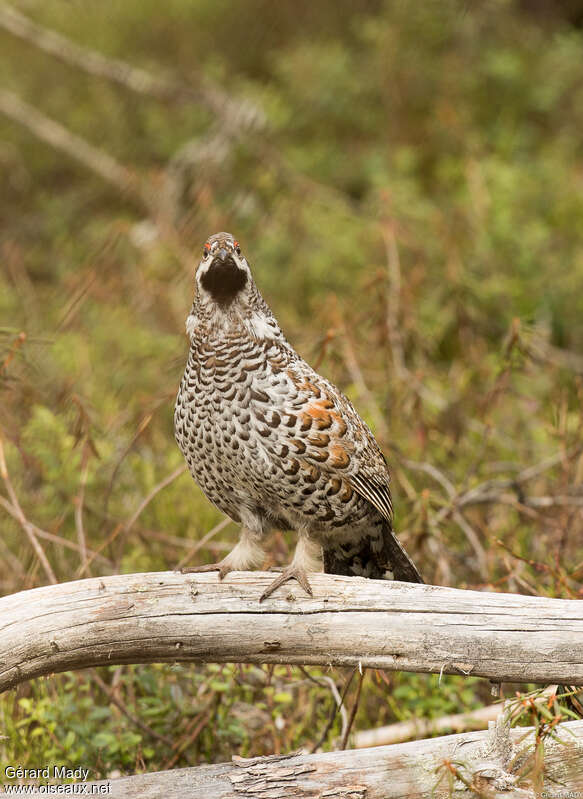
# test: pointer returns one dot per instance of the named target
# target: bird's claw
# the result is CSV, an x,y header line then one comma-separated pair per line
x,y
289,573
221,567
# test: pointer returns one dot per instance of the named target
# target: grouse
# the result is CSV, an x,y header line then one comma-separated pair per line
x,y
272,443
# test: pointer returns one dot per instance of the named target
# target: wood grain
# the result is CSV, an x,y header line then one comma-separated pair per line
x,y
494,762
168,616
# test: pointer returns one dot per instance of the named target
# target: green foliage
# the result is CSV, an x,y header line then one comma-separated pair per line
x,y
251,711
412,210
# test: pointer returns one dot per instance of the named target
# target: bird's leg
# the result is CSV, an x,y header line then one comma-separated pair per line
x,y
244,555
305,560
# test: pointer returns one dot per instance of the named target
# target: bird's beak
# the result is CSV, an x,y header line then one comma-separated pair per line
x,y
222,259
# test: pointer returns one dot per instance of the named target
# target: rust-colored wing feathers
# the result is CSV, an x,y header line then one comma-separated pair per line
x,y
338,443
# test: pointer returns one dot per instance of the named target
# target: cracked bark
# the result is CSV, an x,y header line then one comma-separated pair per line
x,y
168,616
491,761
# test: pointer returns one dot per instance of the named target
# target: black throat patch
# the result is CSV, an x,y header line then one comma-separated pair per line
x,y
224,280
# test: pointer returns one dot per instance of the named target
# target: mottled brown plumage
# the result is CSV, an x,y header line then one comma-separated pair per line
x,y
272,443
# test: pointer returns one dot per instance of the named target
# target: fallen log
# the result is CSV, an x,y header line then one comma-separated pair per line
x,y
411,729
401,731
169,616
494,764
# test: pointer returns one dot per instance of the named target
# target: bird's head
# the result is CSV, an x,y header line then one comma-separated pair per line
x,y
226,294
223,273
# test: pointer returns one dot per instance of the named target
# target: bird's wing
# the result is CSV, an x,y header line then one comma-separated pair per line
x,y
377,493
324,429
314,432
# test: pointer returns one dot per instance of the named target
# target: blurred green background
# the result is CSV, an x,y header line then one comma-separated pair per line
x,y
406,180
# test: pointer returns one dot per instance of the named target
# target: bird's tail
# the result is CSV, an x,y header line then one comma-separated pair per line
x,y
377,554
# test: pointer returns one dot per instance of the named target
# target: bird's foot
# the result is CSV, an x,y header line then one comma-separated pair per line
x,y
289,573
222,567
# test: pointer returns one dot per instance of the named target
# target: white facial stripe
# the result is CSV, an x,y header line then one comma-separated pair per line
x,y
229,243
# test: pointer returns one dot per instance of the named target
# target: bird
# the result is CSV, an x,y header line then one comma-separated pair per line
x,y
273,444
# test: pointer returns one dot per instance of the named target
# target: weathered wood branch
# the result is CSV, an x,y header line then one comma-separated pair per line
x,y
241,114
168,616
477,719
401,731
59,137
95,63
499,763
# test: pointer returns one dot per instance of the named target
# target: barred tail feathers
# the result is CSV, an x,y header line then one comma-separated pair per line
x,y
376,554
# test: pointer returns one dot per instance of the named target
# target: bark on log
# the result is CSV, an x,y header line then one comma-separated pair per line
x,y
492,762
168,616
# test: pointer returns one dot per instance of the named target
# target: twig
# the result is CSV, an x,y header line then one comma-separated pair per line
x,y
552,501
97,161
149,497
487,497
125,528
76,299
18,342
15,263
475,494
11,559
90,61
124,74
353,710
117,530
537,565
432,471
474,541
357,377
458,517
21,518
338,699
540,350
127,712
394,300
491,491
452,768
62,139
415,384
176,542
201,720
79,501
237,116
339,704
140,429
204,540
55,539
